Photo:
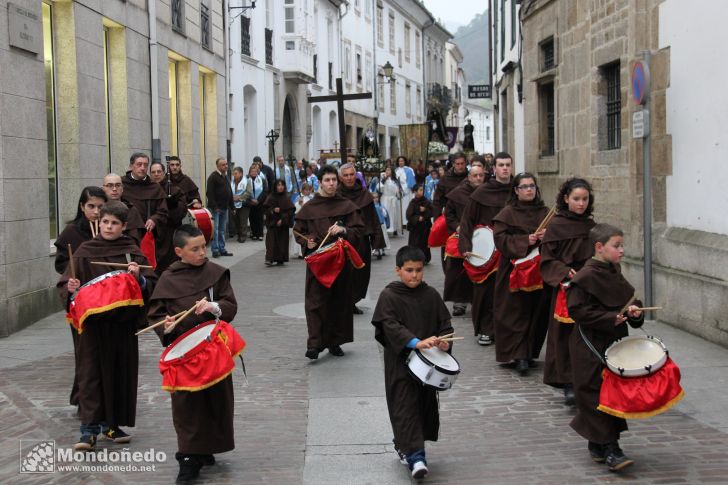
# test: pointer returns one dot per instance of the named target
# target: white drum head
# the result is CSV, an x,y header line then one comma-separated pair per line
x,y
534,252
441,359
189,219
483,245
636,355
188,343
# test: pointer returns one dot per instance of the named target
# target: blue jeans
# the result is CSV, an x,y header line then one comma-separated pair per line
x,y
415,456
93,429
218,238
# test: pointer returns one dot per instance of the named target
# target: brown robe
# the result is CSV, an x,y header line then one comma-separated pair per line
x,y
597,293
134,222
177,207
75,234
521,317
329,311
276,238
439,200
187,186
108,351
484,204
148,198
565,246
458,287
372,237
401,314
203,420
419,230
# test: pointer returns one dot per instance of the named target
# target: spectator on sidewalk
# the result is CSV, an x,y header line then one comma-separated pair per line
x,y
242,192
219,201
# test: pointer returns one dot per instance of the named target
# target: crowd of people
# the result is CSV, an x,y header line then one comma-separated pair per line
x,y
338,220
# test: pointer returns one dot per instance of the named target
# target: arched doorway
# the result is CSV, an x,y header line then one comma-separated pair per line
x,y
250,111
287,133
333,130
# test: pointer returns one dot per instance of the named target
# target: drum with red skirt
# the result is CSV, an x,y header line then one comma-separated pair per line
x,y
561,309
327,262
102,294
438,233
202,220
525,275
200,357
484,258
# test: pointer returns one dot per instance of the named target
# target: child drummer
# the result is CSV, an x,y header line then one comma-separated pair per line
x,y
203,420
597,295
108,350
410,315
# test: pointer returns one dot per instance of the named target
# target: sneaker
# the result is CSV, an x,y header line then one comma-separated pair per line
x,y
458,311
269,263
86,443
616,459
485,340
419,470
402,457
189,469
116,435
225,253
597,452
569,398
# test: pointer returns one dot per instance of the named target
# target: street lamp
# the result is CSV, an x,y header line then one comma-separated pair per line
x,y
388,71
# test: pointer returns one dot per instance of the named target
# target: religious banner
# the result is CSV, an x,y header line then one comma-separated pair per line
x,y
451,135
413,141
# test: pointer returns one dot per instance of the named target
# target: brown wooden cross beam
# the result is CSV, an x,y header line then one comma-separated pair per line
x,y
340,97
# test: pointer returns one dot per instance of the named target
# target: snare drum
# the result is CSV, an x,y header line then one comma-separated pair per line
x,y
640,380
327,262
438,233
202,220
480,268
102,294
201,357
433,367
525,275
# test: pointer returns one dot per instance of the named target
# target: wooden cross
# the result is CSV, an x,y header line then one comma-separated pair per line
x,y
340,97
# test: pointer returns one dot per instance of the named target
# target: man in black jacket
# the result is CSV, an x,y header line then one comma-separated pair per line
x,y
219,201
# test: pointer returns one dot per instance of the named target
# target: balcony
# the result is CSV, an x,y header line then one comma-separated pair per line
x,y
296,60
439,97
269,47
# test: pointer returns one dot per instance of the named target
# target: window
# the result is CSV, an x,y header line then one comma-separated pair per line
x,y
610,73
547,54
178,15
289,16
315,68
418,113
407,41
391,32
368,9
418,51
408,100
205,38
358,69
50,108
504,120
380,24
547,139
393,97
380,92
245,35
202,86
514,23
331,75
347,62
269,46
107,97
173,119
368,65
487,133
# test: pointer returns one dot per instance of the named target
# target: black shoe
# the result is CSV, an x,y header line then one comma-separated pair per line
x,y
86,443
225,253
189,468
458,311
358,311
379,257
597,452
279,263
241,239
312,353
569,398
616,460
336,351
206,460
215,254
522,367
532,364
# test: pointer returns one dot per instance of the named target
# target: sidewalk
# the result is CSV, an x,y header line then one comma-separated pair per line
x,y
325,421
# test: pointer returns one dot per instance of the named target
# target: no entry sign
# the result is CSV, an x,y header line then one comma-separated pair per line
x,y
640,82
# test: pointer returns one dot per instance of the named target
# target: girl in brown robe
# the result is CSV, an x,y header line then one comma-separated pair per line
x,y
595,298
410,314
279,212
108,349
79,230
564,250
419,221
203,420
520,316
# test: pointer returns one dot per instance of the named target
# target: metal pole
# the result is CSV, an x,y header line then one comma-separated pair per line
x,y
647,203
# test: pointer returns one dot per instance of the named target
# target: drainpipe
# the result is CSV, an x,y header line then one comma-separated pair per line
x,y
154,80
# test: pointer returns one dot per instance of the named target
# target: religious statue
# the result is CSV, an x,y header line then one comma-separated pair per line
x,y
435,126
468,143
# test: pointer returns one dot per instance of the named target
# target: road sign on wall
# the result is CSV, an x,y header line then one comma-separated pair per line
x,y
478,91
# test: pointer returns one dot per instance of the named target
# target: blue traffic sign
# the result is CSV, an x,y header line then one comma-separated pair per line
x,y
640,82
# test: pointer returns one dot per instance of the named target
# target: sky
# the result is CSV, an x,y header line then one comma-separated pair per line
x,y
452,17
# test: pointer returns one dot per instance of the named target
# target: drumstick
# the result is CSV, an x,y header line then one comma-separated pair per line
x,y
450,339
626,306
476,255
296,233
70,260
91,225
446,336
155,325
119,265
546,219
322,242
648,308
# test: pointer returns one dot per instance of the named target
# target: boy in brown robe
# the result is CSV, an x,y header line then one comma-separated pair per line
x,y
419,221
410,315
328,310
595,298
108,352
203,420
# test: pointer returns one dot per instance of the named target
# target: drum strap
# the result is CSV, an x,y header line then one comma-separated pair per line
x,y
128,257
591,347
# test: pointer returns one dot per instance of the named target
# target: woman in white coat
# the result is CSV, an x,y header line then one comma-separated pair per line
x,y
392,200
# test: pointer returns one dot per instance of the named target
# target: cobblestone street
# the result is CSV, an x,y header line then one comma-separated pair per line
x,y
325,422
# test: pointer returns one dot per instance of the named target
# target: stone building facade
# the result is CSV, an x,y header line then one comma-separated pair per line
x,y
83,85
577,58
